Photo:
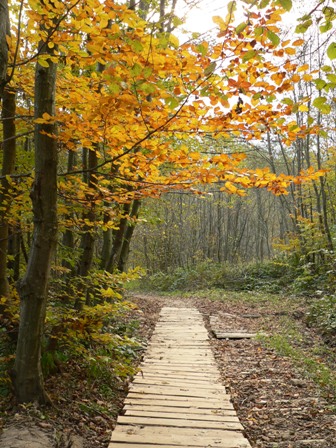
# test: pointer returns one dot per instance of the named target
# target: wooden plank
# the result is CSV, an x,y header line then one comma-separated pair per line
x,y
178,383
226,407
179,370
180,354
184,402
175,370
183,414
140,445
178,423
181,328
193,379
194,364
190,351
180,436
175,391
176,353
188,373
225,335
178,401
187,377
181,361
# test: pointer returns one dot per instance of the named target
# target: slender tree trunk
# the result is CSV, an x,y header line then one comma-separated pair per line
x,y
4,32
14,250
88,237
8,165
125,248
27,373
68,240
107,243
118,236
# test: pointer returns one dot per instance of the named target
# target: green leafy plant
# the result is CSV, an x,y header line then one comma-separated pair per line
x,y
322,314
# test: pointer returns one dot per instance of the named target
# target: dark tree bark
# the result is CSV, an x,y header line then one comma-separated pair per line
x,y
118,236
27,373
107,243
8,157
68,239
88,237
125,248
4,32
14,250
8,165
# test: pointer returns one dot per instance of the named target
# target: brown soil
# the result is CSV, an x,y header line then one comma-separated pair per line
x,y
277,403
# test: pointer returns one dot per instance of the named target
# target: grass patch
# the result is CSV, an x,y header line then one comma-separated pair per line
x,y
315,369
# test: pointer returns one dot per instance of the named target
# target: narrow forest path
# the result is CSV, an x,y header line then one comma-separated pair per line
x,y
177,398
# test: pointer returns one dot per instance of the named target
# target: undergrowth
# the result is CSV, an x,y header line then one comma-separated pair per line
x,y
272,276
98,341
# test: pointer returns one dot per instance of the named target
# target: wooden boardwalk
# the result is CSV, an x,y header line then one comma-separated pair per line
x,y
177,399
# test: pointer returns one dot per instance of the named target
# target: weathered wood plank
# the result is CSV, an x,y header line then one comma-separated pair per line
x,y
226,409
190,376
180,436
176,370
176,391
160,376
148,445
177,383
227,335
183,415
192,363
178,423
177,401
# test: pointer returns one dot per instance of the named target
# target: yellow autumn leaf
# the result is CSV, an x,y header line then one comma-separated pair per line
x,y
290,51
220,22
303,68
43,62
231,188
174,40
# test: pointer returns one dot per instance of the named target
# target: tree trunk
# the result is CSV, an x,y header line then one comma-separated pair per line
x,y
4,32
125,248
118,239
8,165
27,374
14,250
7,129
68,240
88,237
107,243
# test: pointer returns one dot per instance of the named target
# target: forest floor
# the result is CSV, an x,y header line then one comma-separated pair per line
x,y
282,385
